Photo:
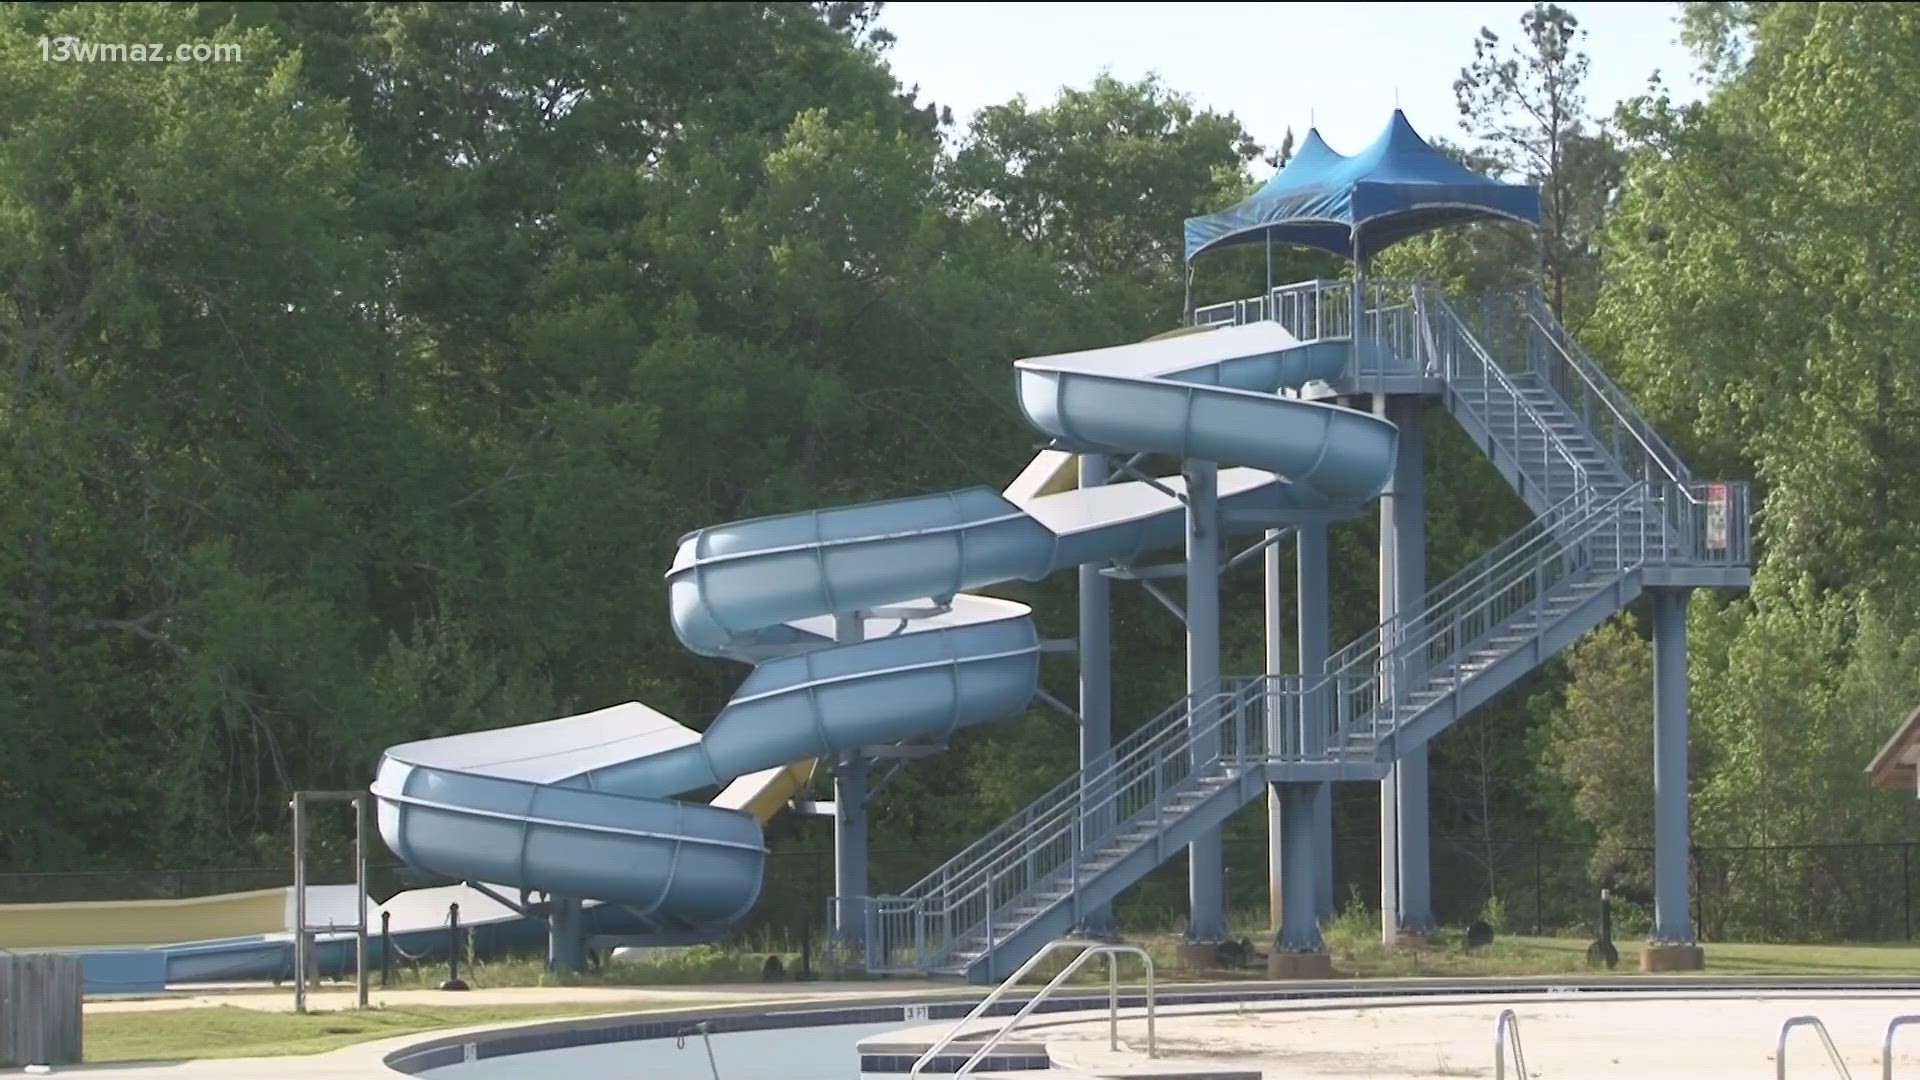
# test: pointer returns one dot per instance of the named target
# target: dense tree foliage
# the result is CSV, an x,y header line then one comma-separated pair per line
x,y
358,390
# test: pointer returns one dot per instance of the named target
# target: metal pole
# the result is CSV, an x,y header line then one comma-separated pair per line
x,y
386,949
1314,619
454,982
1299,925
1276,635
1096,687
299,902
1207,919
1408,553
1672,920
849,818
1387,699
360,889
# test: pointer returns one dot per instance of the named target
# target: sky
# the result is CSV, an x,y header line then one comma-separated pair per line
x,y
1344,67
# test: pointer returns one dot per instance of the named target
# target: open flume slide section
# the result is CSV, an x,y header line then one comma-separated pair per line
x,y
863,632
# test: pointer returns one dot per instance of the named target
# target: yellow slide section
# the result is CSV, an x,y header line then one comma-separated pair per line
x,y
766,793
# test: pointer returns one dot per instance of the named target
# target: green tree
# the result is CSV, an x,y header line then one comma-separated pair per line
x,y
1526,108
1104,180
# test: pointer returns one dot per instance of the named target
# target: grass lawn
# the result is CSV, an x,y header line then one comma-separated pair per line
x,y
1356,948
1518,956
229,1031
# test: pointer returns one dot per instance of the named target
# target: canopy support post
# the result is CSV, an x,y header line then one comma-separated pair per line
x,y
1355,317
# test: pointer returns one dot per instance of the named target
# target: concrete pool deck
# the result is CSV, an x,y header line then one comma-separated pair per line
x,y
1615,1036
1618,1034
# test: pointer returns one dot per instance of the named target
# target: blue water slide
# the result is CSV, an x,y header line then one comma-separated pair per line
x,y
590,806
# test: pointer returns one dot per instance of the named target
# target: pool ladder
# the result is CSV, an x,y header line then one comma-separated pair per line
x,y
1506,1032
1113,953
1833,1052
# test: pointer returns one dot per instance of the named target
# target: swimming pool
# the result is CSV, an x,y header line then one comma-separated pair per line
x,y
810,1053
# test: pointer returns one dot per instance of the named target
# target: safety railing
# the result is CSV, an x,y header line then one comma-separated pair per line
x,y
1109,810
1826,1040
1611,537
1017,831
995,886
1522,320
1472,583
1090,950
1711,520
922,928
1520,433
1390,342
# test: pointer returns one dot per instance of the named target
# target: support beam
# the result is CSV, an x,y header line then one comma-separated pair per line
x,y
1323,849
1206,871
1409,554
1096,683
1299,923
1389,594
1275,652
1057,705
1298,951
849,822
566,935
1673,943
1314,616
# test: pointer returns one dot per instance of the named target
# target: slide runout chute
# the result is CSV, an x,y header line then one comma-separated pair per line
x,y
585,806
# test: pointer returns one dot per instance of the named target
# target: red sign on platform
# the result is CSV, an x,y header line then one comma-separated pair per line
x,y
1717,516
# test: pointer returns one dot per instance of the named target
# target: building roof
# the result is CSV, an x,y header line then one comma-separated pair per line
x,y
1894,765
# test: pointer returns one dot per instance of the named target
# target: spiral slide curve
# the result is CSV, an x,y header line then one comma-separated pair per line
x,y
586,806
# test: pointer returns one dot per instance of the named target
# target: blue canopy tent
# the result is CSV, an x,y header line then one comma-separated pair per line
x,y
1358,206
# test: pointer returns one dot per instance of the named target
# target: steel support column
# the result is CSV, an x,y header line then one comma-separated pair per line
x,y
1299,924
1389,594
1276,718
1672,907
1096,683
1314,617
1323,849
566,935
1408,552
849,821
1206,871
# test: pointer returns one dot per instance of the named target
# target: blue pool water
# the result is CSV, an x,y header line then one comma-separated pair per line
x,y
816,1053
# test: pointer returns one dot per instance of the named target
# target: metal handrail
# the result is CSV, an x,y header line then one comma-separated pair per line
x,y
1886,1045
1364,674
1090,950
1833,1052
1020,827
1606,390
1438,307
1506,1030
1470,576
1062,826
1129,791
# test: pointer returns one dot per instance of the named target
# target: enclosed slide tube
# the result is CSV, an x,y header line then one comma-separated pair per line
x,y
586,806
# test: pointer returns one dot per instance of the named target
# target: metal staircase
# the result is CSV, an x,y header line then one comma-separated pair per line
x,y
1616,512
